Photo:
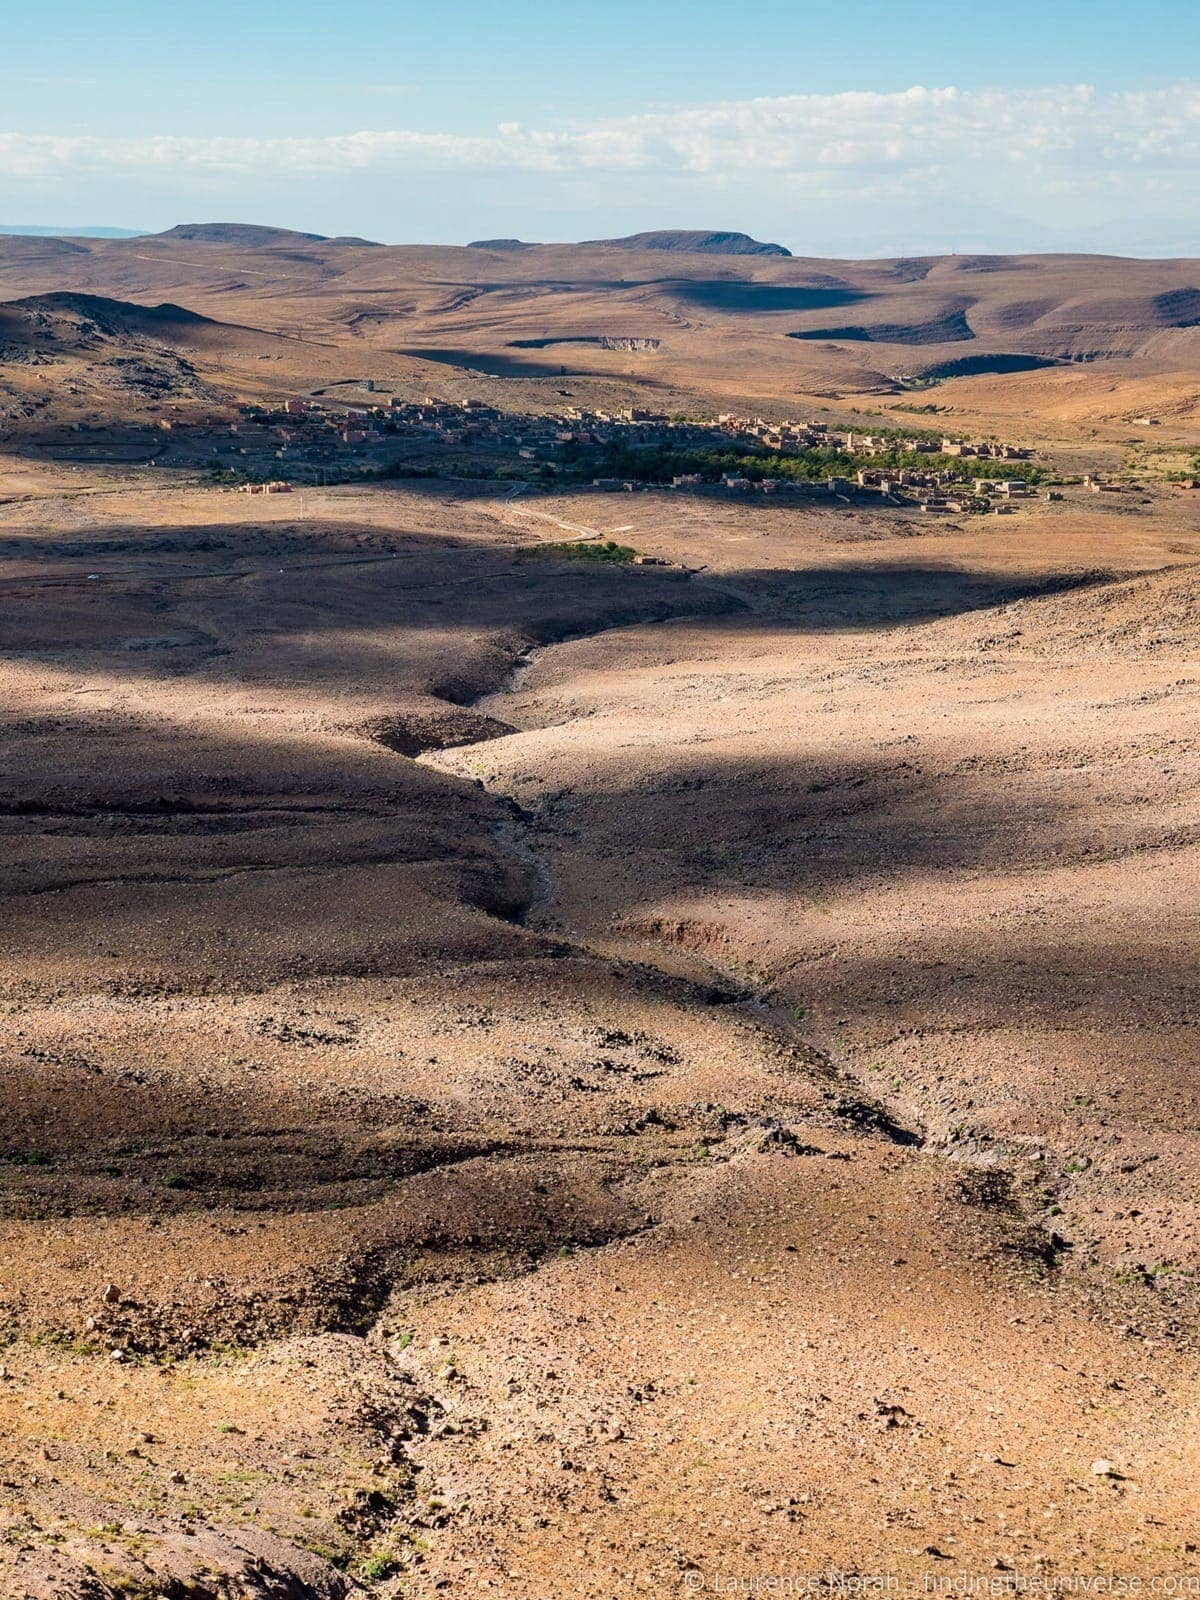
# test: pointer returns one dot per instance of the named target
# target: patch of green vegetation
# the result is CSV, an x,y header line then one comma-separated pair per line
x,y
378,1565
1166,1269
225,1354
1165,463
462,467
811,464
58,1339
1130,1277
605,551
338,1555
121,1586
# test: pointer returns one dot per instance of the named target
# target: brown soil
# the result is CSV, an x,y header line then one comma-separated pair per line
x,y
549,1078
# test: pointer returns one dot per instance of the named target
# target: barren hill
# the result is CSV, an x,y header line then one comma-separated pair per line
x,y
101,314
655,314
239,233
693,242
71,359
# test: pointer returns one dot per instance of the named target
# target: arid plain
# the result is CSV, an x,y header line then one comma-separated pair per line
x,y
544,1076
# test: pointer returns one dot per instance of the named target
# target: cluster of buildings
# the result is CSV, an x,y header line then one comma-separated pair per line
x,y
943,490
475,421
931,491
313,437
793,435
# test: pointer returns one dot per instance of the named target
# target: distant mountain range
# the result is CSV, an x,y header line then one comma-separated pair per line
x,y
689,241
251,234
682,240
687,305
692,241
71,233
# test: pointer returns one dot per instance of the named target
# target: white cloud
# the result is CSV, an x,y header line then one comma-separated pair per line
x,y
1070,167
829,137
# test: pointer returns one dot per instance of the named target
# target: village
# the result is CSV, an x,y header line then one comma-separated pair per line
x,y
310,440
351,432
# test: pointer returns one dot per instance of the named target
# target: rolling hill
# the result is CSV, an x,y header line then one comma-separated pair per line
x,y
684,319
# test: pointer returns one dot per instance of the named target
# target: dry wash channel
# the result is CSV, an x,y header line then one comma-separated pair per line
x,y
403,1190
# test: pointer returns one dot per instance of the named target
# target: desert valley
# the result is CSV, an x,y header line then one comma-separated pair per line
x,y
599,918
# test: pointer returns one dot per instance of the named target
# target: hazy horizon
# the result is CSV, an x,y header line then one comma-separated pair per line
x,y
107,232
886,132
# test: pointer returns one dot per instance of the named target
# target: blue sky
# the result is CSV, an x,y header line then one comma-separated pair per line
x,y
857,127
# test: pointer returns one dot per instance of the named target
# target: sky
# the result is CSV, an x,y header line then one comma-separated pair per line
x,y
848,128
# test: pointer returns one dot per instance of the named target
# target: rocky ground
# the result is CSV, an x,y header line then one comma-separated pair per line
x,y
536,1077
